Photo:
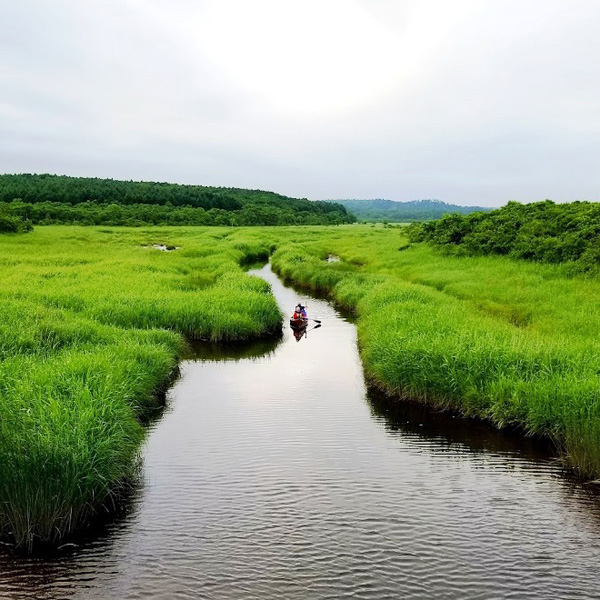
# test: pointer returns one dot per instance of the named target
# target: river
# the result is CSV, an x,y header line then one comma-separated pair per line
x,y
273,473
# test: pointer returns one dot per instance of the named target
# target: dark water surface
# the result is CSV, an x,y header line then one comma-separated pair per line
x,y
273,474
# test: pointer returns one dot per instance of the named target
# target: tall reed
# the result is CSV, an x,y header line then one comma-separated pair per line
x,y
511,342
92,323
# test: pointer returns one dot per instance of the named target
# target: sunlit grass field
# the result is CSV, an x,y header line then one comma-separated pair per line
x,y
94,320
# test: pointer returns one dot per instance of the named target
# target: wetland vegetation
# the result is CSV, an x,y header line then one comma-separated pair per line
x,y
510,341
94,321
92,324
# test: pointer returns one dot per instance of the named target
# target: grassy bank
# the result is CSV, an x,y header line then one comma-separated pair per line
x,y
92,322
508,341
91,326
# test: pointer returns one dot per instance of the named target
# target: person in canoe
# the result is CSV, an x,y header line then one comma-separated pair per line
x,y
300,312
299,318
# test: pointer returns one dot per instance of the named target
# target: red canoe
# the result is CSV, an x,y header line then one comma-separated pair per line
x,y
298,323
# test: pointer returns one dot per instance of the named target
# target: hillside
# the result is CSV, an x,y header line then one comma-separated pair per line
x,y
50,199
390,210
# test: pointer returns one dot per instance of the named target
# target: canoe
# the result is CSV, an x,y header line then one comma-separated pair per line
x,y
298,323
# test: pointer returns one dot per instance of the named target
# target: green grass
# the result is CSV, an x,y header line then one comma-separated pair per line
x,y
511,342
93,321
91,325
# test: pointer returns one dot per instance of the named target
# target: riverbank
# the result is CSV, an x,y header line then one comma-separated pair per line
x,y
274,473
93,323
509,342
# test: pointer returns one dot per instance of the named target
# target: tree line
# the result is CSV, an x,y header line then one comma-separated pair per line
x,y
542,231
53,199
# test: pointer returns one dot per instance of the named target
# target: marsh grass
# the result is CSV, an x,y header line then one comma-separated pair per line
x,y
511,342
92,323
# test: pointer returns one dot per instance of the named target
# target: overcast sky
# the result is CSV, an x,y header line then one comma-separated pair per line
x,y
467,101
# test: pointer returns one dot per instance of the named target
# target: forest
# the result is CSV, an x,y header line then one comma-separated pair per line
x,y
542,231
58,199
374,211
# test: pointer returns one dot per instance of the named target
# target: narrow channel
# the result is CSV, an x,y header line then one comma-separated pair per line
x,y
275,474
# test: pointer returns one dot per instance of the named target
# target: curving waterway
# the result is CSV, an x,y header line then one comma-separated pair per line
x,y
274,474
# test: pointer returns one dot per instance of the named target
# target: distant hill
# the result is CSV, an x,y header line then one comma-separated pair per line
x,y
415,210
50,199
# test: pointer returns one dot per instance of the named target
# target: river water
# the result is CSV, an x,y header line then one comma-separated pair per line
x,y
274,474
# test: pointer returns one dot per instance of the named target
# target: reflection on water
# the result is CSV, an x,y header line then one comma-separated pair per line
x,y
302,332
276,474
450,430
198,351
60,574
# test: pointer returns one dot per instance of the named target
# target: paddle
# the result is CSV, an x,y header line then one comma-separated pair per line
x,y
315,320
311,329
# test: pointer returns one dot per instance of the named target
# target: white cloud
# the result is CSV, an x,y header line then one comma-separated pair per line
x,y
463,100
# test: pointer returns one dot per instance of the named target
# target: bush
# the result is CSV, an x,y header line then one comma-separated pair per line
x,y
543,231
13,224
